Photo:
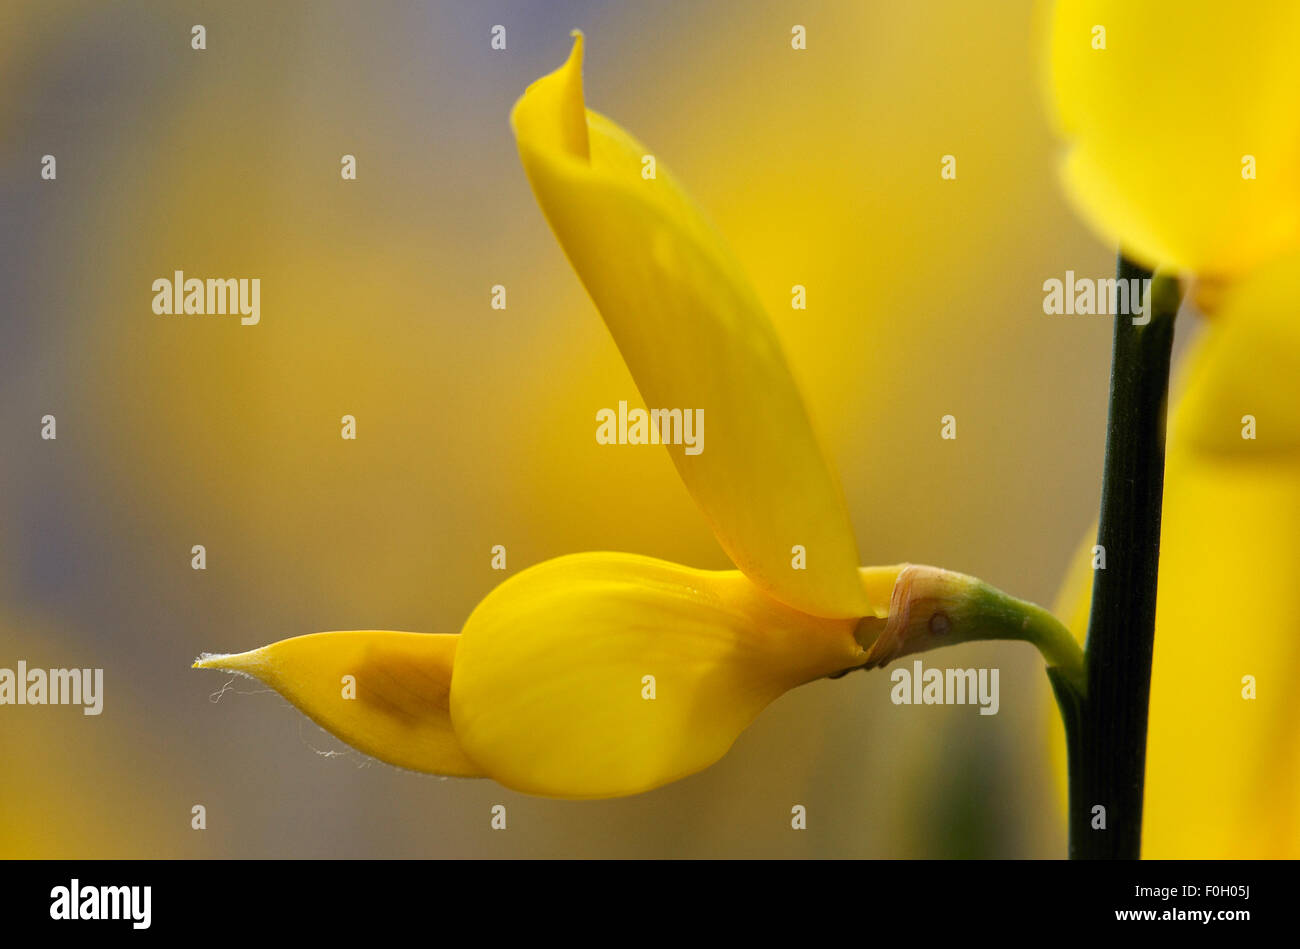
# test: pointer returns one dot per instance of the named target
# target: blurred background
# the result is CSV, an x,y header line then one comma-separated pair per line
x,y
475,426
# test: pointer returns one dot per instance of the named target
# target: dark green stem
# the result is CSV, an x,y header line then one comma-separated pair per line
x,y
1107,727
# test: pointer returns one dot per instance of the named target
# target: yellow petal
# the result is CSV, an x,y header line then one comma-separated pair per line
x,y
555,667
1246,373
400,682
1160,121
694,335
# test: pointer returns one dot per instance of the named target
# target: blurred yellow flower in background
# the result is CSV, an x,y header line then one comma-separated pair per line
x,y
1184,134
1223,744
1182,124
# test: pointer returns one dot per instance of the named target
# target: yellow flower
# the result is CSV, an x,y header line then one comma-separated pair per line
x,y
1223,769
602,674
1183,127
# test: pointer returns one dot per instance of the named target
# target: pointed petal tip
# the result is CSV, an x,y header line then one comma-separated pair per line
x,y
229,661
572,102
551,116
394,688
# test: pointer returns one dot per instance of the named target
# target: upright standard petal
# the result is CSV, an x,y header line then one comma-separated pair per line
x,y
599,675
1184,127
694,336
385,693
